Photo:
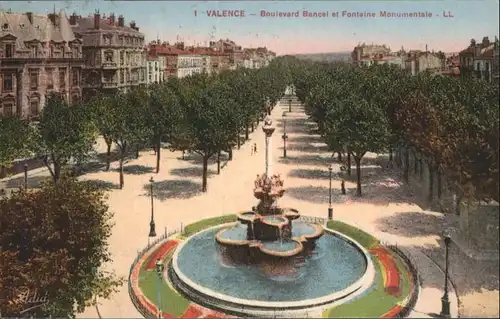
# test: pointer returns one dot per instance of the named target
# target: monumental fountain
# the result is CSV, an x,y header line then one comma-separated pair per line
x,y
271,259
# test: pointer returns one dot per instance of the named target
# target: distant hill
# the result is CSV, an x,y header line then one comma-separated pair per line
x,y
327,56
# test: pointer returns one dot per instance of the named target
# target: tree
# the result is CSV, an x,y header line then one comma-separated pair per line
x,y
165,115
359,126
128,125
211,124
54,242
16,140
103,118
66,132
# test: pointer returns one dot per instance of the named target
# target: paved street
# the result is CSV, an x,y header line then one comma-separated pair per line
x,y
384,211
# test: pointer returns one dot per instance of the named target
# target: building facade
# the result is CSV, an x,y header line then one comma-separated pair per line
x,y
112,51
39,56
417,62
155,69
364,52
189,64
478,60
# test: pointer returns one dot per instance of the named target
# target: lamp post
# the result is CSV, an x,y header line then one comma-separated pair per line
x,y
290,104
159,272
445,301
284,137
330,209
152,231
25,176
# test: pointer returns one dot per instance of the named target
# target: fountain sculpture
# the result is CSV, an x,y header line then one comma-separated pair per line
x,y
269,227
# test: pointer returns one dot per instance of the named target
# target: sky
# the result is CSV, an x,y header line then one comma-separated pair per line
x,y
452,25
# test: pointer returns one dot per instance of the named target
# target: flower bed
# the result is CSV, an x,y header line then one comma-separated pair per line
x,y
392,283
160,253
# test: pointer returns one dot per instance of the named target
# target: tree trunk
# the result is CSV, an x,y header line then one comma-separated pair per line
x,y
158,156
137,151
358,175
205,173
246,132
406,174
390,153
252,127
109,143
3,171
57,171
239,140
439,184
431,183
415,166
339,157
120,168
218,162
349,163
421,169
230,154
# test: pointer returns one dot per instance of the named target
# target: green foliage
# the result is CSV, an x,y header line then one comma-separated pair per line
x,y
65,132
16,139
455,124
364,239
54,242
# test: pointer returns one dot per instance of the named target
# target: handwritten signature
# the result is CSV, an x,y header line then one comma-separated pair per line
x,y
30,298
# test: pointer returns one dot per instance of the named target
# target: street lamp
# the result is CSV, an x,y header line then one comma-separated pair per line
x,y
290,104
159,272
25,176
330,209
152,231
284,136
445,301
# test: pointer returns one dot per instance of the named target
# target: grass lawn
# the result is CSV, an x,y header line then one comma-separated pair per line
x,y
207,223
171,301
366,240
376,302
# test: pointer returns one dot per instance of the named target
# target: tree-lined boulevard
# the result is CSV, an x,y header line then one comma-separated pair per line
x,y
358,113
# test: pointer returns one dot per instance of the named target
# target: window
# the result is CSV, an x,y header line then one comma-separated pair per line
x,y
122,76
478,66
50,78
34,107
122,57
487,66
34,80
75,98
9,50
62,78
7,82
7,109
75,77
109,56
51,52
5,26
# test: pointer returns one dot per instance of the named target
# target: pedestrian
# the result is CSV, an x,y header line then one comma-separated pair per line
x,y
252,149
255,148
154,149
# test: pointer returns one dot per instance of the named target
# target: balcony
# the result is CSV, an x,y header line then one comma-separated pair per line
x,y
110,85
109,65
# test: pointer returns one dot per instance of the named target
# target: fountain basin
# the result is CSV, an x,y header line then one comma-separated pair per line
x,y
336,270
275,220
290,213
248,217
278,248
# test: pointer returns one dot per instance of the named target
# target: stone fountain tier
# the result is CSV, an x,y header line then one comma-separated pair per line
x,y
268,190
271,235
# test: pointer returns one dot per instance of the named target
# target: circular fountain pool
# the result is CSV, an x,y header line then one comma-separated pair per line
x,y
208,272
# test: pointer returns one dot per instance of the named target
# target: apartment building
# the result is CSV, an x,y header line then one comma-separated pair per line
x,y
479,61
155,69
364,52
420,61
39,55
113,53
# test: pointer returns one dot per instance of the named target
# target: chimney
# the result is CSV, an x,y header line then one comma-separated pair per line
x,y
472,43
30,16
97,19
73,18
53,18
486,41
121,21
133,25
111,19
